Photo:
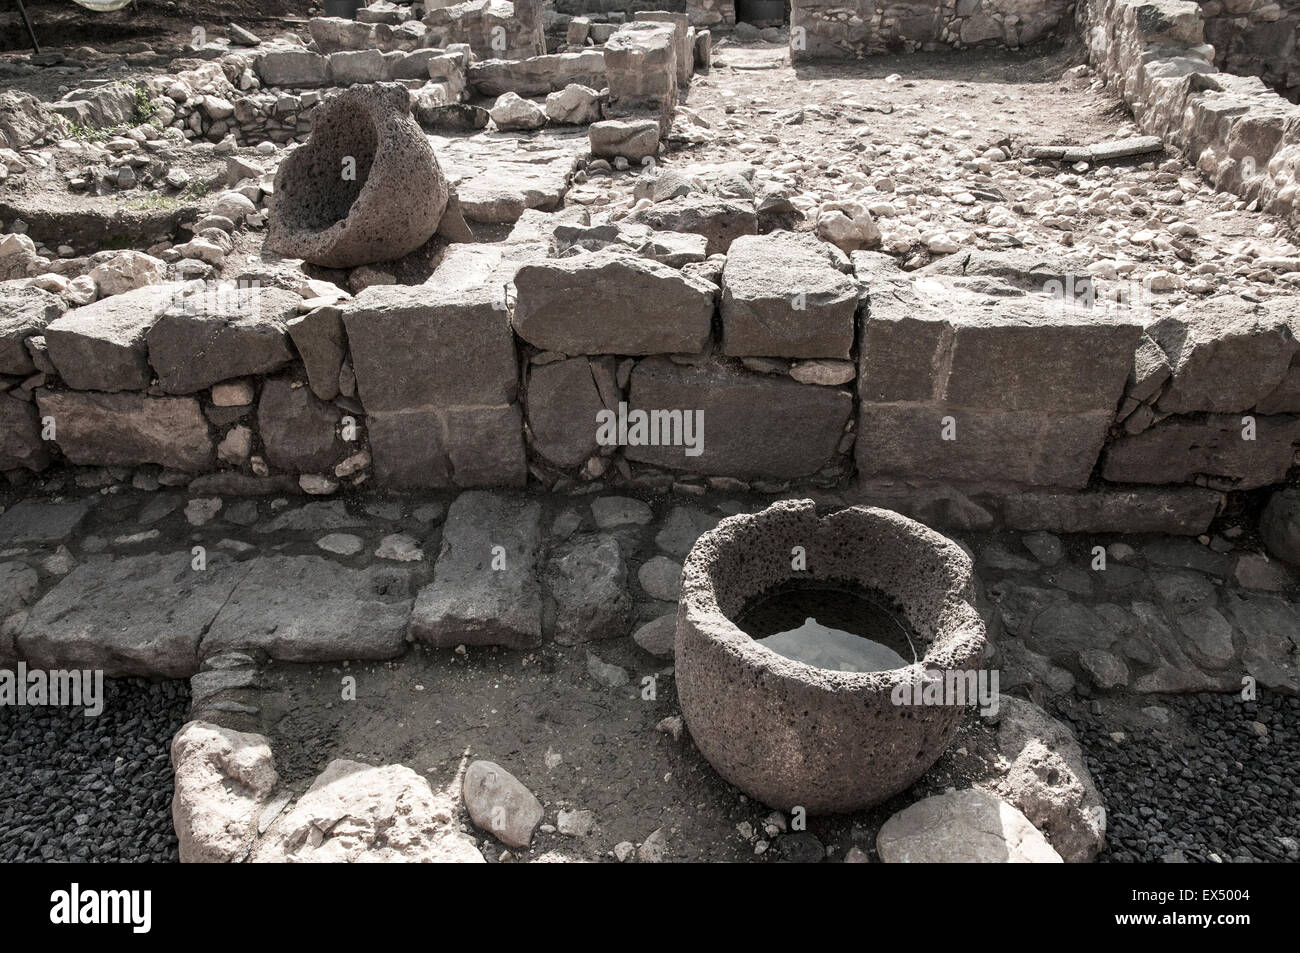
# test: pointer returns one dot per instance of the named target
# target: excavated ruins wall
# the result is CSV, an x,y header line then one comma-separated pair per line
x,y
1255,38
847,29
1241,135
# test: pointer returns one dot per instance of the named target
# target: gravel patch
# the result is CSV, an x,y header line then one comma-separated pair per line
x,y
1219,783
74,788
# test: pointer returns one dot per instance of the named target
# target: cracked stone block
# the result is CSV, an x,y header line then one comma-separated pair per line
x,y
24,313
1226,354
129,615
754,425
292,68
451,447
21,446
311,609
329,218
299,430
1181,449
102,346
683,40
563,401
203,339
610,303
223,779
485,589
782,297
96,429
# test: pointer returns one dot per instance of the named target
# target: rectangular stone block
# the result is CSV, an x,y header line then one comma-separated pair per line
x,y
425,346
538,75
683,40
1181,449
754,425
609,303
101,346
1179,511
311,609
292,68
782,297
485,589
97,429
448,447
562,402
1027,447
220,333
129,615
641,69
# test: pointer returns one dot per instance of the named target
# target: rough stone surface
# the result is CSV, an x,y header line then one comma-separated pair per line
x,y
781,297
310,609
1279,525
357,813
23,314
588,579
201,339
21,446
335,222
608,303
482,594
101,346
319,339
104,429
963,827
223,780
298,429
739,408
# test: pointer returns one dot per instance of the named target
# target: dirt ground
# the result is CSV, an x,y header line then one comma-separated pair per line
x,y
574,743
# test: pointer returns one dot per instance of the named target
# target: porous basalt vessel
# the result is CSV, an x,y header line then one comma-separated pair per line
x,y
365,188
787,733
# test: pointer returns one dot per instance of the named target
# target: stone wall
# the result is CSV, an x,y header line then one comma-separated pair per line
x,y
848,29
1255,38
670,361
1241,135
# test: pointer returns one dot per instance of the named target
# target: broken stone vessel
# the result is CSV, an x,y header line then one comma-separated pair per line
x,y
365,188
787,733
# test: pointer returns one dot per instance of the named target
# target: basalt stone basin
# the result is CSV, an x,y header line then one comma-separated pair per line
x,y
790,734
365,188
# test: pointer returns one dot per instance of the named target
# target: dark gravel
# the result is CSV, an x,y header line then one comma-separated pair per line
x,y
1207,789
74,788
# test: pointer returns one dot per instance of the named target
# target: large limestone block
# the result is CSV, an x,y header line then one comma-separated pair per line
x,y
431,345
205,338
95,429
311,609
609,303
129,615
720,220
365,188
782,297
683,40
1181,449
908,440
563,401
538,75
641,69
453,447
357,813
101,346
754,425
963,827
